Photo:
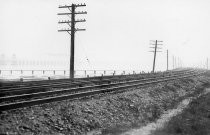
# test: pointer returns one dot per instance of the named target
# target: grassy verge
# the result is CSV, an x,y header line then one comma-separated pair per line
x,y
195,120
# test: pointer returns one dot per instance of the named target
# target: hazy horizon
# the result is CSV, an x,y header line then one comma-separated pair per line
x,y
117,35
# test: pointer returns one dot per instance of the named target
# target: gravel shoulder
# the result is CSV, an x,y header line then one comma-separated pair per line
x,y
111,113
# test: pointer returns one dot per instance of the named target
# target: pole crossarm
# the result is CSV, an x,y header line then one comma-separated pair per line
x,y
154,51
80,12
69,6
68,21
156,40
80,29
157,47
155,44
66,30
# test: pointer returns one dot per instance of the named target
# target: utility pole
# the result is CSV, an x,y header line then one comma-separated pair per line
x,y
167,60
71,23
155,47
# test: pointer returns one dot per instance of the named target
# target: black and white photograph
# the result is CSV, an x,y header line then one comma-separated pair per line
x,y
102,67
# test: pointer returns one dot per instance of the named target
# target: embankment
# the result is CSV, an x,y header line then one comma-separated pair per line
x,y
111,113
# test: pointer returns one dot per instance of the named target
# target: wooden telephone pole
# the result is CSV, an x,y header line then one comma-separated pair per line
x,y
71,23
155,47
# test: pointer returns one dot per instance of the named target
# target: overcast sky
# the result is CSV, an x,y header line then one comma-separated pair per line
x,y
117,36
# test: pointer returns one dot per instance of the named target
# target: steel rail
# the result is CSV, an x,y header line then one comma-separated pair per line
x,y
21,104
78,89
41,89
32,83
43,84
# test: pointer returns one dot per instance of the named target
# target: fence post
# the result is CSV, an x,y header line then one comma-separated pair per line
x,y
104,72
85,73
64,72
43,71
94,73
11,72
32,72
54,72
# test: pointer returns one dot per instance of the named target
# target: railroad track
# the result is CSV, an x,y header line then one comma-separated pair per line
x,y
17,95
41,86
102,82
10,85
23,100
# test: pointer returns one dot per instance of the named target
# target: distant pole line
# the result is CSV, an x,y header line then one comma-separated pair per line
x,y
71,23
155,47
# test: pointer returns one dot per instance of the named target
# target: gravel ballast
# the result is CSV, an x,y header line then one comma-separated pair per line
x,y
110,113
